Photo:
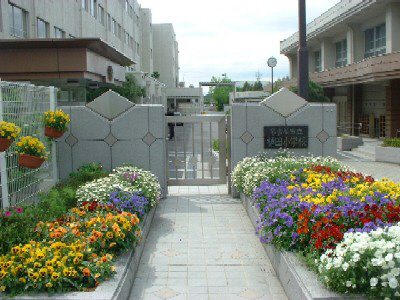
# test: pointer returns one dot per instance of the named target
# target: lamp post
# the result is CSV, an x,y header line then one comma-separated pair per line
x,y
272,63
302,53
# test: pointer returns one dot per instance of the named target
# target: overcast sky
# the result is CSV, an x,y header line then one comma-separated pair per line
x,y
235,37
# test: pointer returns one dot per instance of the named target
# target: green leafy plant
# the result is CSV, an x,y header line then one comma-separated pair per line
x,y
392,142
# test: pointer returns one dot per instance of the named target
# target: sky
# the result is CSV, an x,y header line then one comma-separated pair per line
x,y
235,37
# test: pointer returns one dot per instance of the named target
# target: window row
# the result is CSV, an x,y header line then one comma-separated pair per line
x,y
375,44
19,25
98,10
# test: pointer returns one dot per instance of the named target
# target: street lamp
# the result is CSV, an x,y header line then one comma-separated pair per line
x,y
272,63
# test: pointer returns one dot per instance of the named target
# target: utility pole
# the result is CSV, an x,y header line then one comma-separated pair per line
x,y
302,53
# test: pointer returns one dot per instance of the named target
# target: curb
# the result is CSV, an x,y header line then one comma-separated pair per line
x,y
298,282
119,286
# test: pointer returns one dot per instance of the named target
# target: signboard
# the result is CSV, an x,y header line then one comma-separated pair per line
x,y
276,137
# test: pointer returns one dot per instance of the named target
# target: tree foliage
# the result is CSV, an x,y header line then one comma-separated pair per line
x,y
257,86
155,75
315,92
130,89
220,94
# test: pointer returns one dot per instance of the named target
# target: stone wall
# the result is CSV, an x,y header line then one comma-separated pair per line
x,y
113,131
283,108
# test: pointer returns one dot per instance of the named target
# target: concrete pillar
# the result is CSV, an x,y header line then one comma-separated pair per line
x,y
392,27
358,43
357,95
392,107
327,54
350,45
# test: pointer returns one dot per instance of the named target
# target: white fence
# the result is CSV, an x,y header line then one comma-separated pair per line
x,y
24,104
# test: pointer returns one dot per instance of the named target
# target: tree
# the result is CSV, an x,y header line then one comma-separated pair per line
x,y
315,92
258,86
246,87
130,89
220,94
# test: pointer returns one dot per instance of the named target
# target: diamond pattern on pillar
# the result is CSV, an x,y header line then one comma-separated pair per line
x,y
71,140
149,139
110,139
247,137
323,136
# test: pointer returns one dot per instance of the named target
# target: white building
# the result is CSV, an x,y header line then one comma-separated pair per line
x,y
187,101
122,24
165,58
354,54
248,96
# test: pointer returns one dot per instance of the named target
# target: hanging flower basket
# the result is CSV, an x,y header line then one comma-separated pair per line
x,y
5,143
52,133
29,161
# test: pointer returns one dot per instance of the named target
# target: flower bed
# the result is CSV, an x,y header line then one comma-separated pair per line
x,y
312,210
76,252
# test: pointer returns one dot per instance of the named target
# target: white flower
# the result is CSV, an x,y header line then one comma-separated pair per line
x,y
389,257
373,281
345,266
393,283
348,283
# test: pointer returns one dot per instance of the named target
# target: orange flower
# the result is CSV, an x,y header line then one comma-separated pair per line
x,y
104,259
115,227
86,272
92,239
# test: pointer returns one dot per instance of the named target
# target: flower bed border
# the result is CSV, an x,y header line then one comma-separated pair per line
x,y
119,286
387,154
298,282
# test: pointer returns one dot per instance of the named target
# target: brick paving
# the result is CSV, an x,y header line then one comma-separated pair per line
x,y
204,247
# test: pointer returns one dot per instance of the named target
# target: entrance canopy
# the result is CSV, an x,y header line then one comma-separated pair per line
x,y
81,60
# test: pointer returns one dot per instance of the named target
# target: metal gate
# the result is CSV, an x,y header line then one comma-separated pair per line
x,y
197,152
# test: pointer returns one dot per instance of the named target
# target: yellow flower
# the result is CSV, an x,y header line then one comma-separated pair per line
x,y
22,280
49,285
2,288
55,275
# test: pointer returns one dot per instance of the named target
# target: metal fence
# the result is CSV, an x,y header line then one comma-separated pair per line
x,y
24,104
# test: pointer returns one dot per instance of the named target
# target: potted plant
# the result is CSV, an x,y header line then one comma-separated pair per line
x,y
31,151
8,133
55,123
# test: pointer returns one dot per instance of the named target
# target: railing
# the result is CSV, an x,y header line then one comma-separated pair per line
x,y
24,104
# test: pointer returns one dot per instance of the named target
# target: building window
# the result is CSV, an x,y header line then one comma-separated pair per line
x,y
130,10
114,27
42,29
137,48
317,56
137,20
126,38
126,5
131,42
58,33
102,15
18,23
341,53
119,31
85,5
375,41
109,22
93,8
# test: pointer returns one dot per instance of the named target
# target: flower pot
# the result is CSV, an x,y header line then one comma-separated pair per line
x,y
5,143
52,133
29,161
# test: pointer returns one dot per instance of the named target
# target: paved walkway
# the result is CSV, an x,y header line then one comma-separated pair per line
x,y
204,247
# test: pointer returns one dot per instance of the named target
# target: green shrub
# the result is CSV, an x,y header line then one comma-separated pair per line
x,y
17,225
392,142
215,145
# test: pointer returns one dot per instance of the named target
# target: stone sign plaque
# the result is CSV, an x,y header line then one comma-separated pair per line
x,y
276,137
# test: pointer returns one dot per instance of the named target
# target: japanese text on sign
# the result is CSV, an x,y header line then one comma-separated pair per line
x,y
276,137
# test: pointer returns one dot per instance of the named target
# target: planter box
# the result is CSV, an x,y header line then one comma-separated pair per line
x,y
349,142
387,154
297,280
117,287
